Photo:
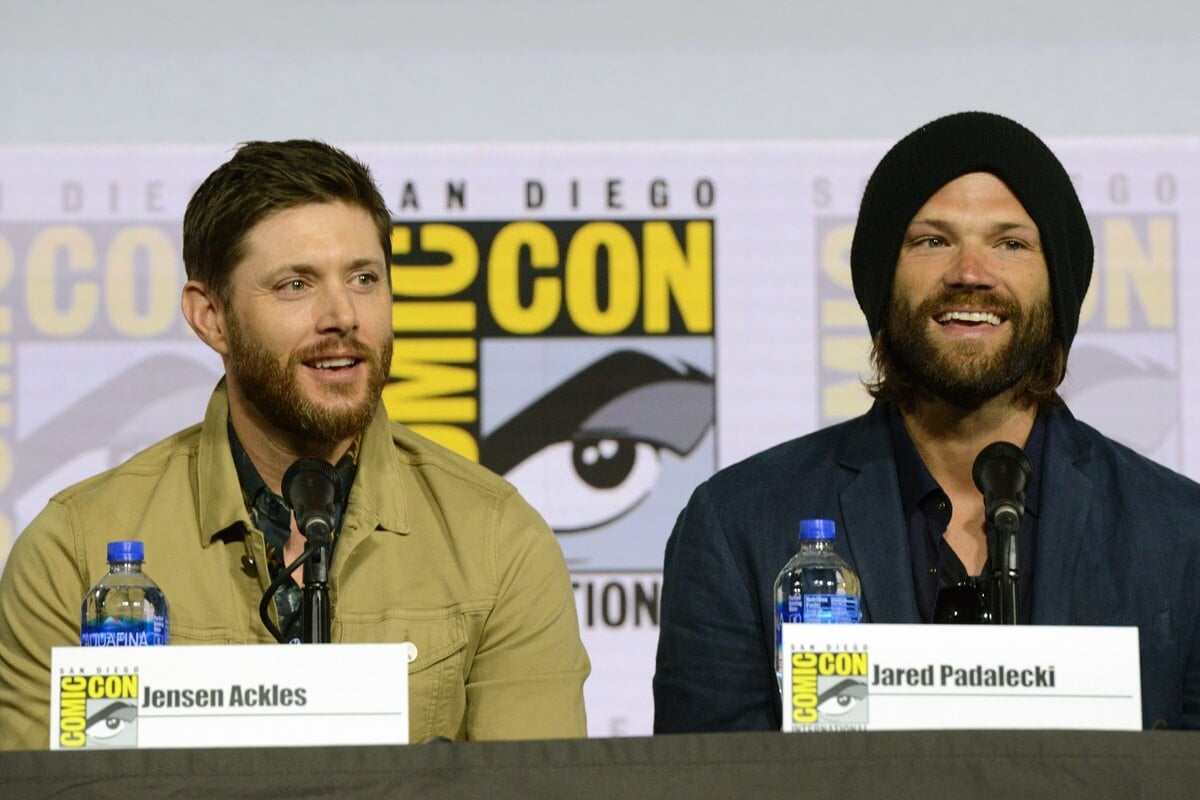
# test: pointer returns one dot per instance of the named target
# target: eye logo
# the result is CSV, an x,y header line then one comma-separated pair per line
x,y
842,698
110,722
591,449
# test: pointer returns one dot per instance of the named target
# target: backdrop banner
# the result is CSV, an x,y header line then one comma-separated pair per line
x,y
604,324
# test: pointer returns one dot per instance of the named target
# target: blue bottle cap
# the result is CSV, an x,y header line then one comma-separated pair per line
x,y
126,551
817,529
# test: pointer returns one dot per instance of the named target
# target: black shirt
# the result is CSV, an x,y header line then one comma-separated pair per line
x,y
273,517
927,510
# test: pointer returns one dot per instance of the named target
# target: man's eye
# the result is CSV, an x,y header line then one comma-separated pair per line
x,y
579,485
366,279
292,286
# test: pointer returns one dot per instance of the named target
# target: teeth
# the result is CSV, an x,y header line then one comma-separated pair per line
x,y
970,316
333,363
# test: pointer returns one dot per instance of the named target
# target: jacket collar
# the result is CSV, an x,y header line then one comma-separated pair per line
x,y
378,499
877,539
1066,496
872,511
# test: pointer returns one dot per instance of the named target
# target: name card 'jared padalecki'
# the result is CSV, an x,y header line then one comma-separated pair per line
x,y
229,695
910,677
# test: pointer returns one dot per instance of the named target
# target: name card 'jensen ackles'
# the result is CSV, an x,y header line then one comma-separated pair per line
x,y
908,677
229,696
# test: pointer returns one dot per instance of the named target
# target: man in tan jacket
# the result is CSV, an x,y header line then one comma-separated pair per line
x,y
288,250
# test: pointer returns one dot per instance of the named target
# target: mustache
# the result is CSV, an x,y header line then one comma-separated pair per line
x,y
336,346
972,299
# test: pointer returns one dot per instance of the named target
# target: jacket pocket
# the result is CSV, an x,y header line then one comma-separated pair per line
x,y
436,675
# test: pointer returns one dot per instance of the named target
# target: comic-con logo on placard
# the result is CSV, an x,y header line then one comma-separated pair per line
x,y
574,357
98,711
829,690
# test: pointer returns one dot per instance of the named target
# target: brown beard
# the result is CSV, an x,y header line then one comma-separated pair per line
x,y
966,375
274,391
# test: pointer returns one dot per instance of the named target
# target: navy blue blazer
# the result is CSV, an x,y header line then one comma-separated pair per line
x,y
1118,543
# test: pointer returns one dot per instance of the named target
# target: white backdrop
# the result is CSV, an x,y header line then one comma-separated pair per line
x,y
706,285
224,71
89,263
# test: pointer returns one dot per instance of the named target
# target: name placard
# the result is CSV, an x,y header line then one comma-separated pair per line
x,y
910,677
229,695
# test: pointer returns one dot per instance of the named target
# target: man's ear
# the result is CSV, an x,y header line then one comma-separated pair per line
x,y
204,311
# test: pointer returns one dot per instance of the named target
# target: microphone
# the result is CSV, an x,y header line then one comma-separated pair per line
x,y
1001,471
312,488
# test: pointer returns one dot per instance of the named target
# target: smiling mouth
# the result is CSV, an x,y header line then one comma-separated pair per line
x,y
335,363
969,318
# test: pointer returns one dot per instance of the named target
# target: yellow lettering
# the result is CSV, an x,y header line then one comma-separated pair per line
x,y
120,288
72,711
804,687
42,274
842,664
73,683
835,255
428,381
1147,272
126,685
835,266
441,280
583,278
432,316
504,278
670,273
848,353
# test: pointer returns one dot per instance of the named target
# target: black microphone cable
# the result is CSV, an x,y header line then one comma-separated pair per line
x,y
313,489
284,575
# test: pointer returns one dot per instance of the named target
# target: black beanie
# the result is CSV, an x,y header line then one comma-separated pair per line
x,y
933,155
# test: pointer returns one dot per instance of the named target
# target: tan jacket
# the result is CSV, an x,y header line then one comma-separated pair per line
x,y
434,550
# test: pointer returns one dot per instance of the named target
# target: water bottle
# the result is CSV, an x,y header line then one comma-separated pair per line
x,y
815,586
125,607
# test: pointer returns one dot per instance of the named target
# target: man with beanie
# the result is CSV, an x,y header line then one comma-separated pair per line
x,y
971,259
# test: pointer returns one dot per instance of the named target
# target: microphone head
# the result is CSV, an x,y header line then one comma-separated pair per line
x,y
1003,456
1001,471
312,488
310,473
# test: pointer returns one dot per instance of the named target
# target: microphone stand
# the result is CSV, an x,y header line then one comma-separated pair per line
x,y
1001,471
314,610
312,488
1005,578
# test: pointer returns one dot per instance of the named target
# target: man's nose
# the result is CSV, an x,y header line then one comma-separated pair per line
x,y
971,268
337,312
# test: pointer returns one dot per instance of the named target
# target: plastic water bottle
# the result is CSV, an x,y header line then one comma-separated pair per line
x,y
125,607
815,586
